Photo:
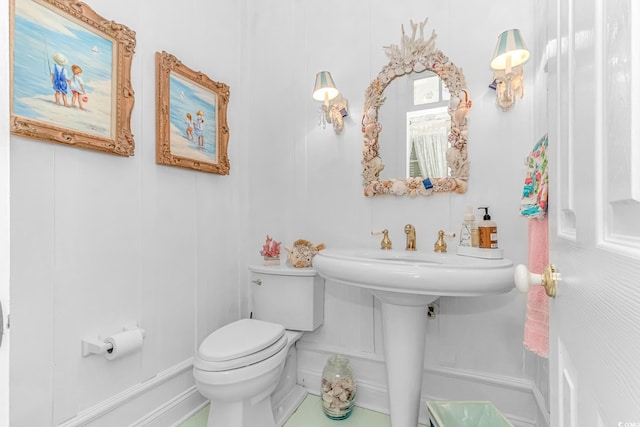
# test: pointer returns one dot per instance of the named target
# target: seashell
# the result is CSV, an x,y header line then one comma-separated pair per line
x,y
302,253
399,187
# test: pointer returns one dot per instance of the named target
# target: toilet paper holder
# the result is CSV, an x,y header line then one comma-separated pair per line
x,y
96,345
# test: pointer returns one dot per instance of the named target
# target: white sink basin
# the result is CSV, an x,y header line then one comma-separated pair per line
x,y
406,282
416,273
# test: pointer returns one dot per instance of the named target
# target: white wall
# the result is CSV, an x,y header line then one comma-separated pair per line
x,y
319,192
101,240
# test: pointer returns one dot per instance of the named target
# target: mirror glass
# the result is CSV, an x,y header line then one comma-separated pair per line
x,y
414,123
414,140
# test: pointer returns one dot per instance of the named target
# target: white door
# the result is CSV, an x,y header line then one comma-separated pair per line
x,y
4,211
594,138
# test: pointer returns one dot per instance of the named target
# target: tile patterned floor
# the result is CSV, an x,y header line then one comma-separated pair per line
x,y
309,414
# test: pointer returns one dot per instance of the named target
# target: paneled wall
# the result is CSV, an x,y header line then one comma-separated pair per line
x,y
320,186
100,241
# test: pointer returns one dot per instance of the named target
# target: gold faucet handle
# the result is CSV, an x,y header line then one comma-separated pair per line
x,y
386,242
440,245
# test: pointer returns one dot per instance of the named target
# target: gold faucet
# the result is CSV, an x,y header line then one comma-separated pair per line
x,y
410,231
441,245
386,242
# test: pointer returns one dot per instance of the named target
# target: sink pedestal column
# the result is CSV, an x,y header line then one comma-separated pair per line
x,y
403,330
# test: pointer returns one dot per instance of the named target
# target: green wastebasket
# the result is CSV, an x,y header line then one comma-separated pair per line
x,y
465,414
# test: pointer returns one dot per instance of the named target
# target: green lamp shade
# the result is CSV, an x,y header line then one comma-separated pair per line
x,y
325,88
510,45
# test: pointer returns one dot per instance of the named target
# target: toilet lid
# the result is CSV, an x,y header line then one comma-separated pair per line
x,y
250,359
240,339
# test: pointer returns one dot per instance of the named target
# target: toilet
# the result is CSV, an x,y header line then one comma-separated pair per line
x,y
240,366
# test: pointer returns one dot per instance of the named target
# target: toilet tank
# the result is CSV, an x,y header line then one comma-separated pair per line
x,y
292,297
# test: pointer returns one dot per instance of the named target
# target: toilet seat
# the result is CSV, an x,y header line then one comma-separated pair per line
x,y
239,344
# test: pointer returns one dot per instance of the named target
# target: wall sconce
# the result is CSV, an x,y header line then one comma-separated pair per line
x,y
334,107
508,70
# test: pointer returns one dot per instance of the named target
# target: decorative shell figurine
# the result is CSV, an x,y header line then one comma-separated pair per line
x,y
302,253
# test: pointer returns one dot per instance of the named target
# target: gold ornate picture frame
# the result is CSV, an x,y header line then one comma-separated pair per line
x,y
191,118
71,76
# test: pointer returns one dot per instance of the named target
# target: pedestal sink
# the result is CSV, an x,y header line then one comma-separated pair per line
x,y
406,282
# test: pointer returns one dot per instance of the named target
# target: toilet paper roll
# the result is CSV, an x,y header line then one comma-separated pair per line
x,y
124,343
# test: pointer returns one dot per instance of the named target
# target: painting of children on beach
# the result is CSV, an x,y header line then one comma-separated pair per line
x,y
193,118
65,73
191,130
62,72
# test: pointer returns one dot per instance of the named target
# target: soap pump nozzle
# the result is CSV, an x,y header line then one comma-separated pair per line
x,y
486,216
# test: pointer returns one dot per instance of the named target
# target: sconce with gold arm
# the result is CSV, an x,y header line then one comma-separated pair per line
x,y
334,108
507,64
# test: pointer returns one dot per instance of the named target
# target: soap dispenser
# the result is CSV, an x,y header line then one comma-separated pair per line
x,y
469,229
488,231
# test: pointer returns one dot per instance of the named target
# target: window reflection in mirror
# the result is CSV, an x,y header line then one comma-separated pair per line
x,y
427,142
417,126
427,126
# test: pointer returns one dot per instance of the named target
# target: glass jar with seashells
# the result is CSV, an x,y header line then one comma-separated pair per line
x,y
338,388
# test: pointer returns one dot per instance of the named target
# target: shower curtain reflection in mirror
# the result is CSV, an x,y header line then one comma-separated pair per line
x,y
427,138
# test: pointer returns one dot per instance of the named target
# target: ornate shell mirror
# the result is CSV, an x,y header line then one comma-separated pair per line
x,y
424,118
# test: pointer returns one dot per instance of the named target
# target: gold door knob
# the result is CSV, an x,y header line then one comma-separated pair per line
x,y
548,280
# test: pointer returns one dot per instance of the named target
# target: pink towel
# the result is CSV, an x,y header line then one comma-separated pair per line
x,y
536,326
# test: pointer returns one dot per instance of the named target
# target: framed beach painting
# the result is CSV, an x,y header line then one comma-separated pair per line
x,y
71,76
191,118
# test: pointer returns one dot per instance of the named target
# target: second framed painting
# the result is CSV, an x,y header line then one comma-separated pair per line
x,y
191,118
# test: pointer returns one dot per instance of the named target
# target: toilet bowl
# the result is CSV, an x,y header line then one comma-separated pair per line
x,y
239,366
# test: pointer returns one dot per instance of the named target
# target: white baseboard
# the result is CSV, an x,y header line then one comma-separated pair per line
x,y
284,408
170,398
518,399
544,419
192,412
174,412
168,395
